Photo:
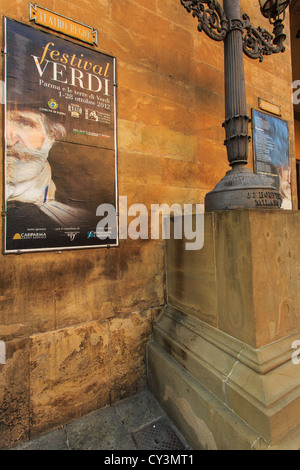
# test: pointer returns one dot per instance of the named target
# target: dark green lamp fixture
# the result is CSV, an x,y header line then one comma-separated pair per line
x,y
240,187
271,9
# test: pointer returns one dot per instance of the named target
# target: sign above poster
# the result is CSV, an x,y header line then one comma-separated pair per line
x,y
269,107
61,24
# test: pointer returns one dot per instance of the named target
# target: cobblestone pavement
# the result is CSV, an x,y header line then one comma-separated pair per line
x,y
136,423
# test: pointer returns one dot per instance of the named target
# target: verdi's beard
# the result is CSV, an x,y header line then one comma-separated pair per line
x,y
23,164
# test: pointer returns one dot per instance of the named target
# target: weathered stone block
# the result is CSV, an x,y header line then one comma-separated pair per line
x,y
244,382
137,107
252,260
155,140
234,274
198,415
137,168
129,337
69,374
191,276
233,365
28,311
276,274
14,394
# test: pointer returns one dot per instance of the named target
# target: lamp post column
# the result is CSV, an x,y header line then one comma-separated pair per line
x,y
240,187
236,118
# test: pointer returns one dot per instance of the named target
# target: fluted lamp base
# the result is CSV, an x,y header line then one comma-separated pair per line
x,y
242,189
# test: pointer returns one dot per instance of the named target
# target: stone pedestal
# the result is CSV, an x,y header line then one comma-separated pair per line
x,y
220,361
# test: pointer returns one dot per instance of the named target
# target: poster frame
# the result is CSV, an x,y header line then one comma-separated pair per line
x,y
62,248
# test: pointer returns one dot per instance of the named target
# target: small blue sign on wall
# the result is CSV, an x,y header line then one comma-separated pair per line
x,y
272,153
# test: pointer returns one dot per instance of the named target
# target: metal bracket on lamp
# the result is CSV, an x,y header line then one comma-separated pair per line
x,y
240,187
257,42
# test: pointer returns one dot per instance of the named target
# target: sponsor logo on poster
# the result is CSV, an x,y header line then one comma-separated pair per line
x,y
52,104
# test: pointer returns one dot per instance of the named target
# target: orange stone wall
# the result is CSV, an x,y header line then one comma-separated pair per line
x,y
76,323
297,139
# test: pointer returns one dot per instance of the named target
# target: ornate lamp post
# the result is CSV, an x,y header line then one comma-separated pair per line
x,y
240,187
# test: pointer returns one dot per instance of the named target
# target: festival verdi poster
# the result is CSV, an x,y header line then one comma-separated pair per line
x,y
60,142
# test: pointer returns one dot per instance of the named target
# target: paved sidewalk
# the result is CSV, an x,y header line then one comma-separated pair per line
x,y
136,423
